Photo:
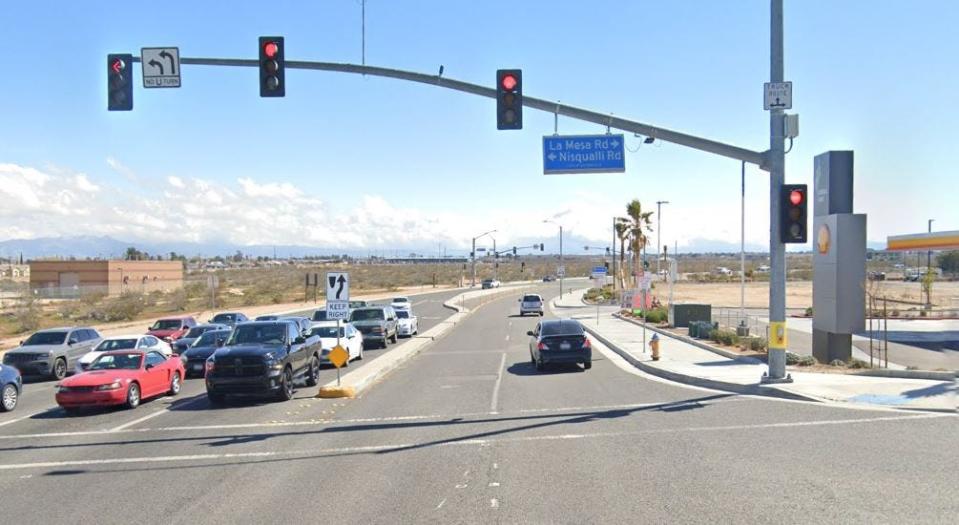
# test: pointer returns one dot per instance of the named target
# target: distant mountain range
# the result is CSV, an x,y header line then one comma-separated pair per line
x,y
108,247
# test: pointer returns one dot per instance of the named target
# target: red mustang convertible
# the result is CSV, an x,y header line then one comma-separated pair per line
x,y
122,378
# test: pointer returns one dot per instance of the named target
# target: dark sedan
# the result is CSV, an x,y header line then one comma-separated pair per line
x,y
11,385
559,341
181,344
194,358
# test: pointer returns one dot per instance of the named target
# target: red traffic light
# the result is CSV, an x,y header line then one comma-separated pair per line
x,y
270,49
796,197
117,66
509,82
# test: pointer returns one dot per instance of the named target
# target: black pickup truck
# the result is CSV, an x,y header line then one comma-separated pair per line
x,y
263,358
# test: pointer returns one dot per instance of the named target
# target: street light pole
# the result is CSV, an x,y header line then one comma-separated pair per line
x,y
742,247
659,232
563,273
473,255
928,269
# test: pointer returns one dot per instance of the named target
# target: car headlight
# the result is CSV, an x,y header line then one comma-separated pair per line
x,y
116,385
210,364
60,388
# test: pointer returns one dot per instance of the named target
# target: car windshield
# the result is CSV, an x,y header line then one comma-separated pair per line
x,y
167,324
400,300
367,315
357,304
274,333
319,315
209,338
327,331
116,344
197,331
531,299
129,361
402,314
267,318
224,318
46,338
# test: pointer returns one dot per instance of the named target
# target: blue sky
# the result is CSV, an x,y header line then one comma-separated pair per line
x,y
362,162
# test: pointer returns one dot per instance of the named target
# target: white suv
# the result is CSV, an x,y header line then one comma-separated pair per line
x,y
531,303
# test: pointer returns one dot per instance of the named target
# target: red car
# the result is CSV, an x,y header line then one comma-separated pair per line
x,y
171,328
122,378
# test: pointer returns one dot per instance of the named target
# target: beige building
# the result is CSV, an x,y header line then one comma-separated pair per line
x,y
71,278
15,272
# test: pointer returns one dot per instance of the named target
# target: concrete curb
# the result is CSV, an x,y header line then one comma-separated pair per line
x,y
910,374
360,380
755,390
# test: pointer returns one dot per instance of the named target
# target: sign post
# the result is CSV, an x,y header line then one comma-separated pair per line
x,y
338,308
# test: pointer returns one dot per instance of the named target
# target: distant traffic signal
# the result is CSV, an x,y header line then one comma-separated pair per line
x,y
542,246
272,67
792,213
509,99
119,82
514,250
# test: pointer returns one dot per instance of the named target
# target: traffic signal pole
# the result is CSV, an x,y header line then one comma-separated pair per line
x,y
776,158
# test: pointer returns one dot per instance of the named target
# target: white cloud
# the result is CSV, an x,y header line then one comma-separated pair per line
x,y
176,182
83,183
120,168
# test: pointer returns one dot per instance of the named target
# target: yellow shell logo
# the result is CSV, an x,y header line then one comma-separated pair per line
x,y
822,239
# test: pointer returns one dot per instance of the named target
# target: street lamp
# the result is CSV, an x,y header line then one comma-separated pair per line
x,y
562,274
659,231
473,254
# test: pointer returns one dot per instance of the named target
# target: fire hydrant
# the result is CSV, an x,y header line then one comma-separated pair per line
x,y
654,347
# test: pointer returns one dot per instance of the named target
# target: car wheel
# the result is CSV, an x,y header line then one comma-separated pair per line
x,y
59,369
215,399
587,365
133,396
313,375
395,337
175,384
360,357
8,398
286,386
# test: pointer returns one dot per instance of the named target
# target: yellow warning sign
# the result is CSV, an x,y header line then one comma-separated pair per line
x,y
338,356
777,335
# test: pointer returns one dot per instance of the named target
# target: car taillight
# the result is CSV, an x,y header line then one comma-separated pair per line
x,y
210,365
542,346
586,343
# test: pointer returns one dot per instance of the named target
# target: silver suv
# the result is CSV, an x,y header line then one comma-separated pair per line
x,y
531,303
52,352
377,323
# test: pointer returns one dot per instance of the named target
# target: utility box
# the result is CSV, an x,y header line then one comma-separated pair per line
x,y
680,315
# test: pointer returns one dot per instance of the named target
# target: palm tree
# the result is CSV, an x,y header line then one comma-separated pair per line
x,y
622,233
639,224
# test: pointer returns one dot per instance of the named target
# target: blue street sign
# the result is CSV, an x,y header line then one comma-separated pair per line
x,y
599,269
583,154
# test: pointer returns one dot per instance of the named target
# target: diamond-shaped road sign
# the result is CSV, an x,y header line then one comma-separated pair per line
x,y
338,356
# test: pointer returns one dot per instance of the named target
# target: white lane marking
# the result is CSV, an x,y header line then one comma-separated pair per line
x,y
494,403
28,416
409,446
507,337
462,485
494,503
493,484
160,412
495,466
440,506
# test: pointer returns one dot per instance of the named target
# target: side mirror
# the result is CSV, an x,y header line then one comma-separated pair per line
x,y
150,366
530,333
299,340
72,342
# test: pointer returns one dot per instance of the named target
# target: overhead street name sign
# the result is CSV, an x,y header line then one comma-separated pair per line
x,y
160,66
337,295
583,154
778,95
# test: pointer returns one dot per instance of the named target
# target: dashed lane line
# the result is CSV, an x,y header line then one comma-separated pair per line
x,y
494,403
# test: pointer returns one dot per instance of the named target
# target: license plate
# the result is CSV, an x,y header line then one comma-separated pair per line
x,y
197,367
564,346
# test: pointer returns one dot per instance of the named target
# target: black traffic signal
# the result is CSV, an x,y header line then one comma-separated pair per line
x,y
509,99
514,250
272,67
542,246
606,264
119,82
793,204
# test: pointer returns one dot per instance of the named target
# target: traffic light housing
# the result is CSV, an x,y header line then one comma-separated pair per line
x,y
509,99
514,250
119,82
272,67
606,264
542,246
793,206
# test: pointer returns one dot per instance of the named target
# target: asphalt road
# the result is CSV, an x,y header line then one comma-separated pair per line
x,y
468,432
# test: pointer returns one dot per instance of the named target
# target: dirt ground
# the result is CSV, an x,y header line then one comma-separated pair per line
x,y
945,294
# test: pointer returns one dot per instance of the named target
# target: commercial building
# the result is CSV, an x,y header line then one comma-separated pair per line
x,y
73,278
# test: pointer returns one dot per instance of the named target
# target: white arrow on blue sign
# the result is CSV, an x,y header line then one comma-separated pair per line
x,y
583,154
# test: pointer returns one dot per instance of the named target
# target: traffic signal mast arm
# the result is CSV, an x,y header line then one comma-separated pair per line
x,y
613,122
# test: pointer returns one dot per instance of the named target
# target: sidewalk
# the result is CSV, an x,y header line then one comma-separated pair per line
x,y
686,363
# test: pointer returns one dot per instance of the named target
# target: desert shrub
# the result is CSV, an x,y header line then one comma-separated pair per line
x,y
656,315
726,337
126,307
838,362
792,359
26,319
178,300
758,344
857,363
809,311
807,360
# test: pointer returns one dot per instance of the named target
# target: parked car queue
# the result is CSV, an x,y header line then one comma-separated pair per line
x,y
126,369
